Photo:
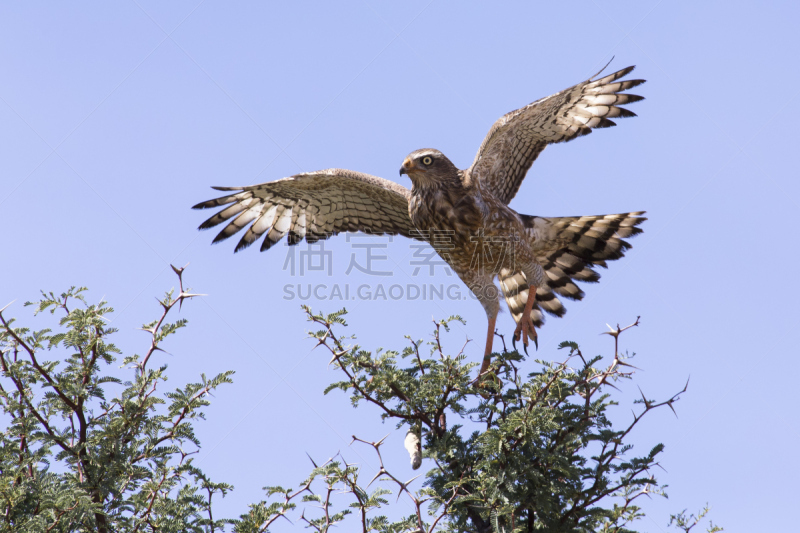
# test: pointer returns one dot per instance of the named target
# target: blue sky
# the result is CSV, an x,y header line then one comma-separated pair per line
x,y
119,117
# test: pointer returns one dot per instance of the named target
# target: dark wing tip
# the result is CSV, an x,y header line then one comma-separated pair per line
x,y
210,223
222,200
221,236
625,71
205,205
243,243
613,76
606,123
630,84
267,244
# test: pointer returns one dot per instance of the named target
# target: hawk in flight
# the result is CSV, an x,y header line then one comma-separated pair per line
x,y
463,214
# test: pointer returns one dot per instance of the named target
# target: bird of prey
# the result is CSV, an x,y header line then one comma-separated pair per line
x,y
463,214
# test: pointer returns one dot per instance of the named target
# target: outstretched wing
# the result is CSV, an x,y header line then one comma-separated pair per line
x,y
314,206
517,138
569,249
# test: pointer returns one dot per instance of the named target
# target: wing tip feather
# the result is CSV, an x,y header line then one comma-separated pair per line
x,y
221,236
208,224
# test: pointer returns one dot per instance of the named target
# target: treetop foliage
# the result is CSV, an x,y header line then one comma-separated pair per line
x,y
508,451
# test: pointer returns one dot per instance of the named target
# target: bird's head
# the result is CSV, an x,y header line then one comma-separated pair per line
x,y
428,167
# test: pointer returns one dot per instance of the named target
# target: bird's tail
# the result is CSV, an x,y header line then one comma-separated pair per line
x,y
568,249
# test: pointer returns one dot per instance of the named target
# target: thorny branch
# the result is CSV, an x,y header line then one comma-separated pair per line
x,y
529,460
338,350
73,387
506,394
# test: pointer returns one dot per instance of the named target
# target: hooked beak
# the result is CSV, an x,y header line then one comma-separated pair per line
x,y
408,165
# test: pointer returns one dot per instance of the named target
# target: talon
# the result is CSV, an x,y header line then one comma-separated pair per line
x,y
525,327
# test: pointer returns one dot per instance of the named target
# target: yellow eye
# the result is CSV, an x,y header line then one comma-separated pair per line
x,y
427,160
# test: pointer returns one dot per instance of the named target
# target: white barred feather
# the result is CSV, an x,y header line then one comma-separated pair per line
x,y
517,138
311,206
568,249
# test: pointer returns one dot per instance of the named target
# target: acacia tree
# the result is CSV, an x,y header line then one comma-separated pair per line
x,y
84,451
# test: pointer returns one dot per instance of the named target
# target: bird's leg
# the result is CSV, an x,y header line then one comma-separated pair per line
x,y
489,340
525,327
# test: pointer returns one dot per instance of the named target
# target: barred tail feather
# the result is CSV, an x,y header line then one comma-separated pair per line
x,y
568,249
515,289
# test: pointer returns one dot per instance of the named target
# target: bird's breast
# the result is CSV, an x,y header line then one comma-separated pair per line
x,y
468,229
444,210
